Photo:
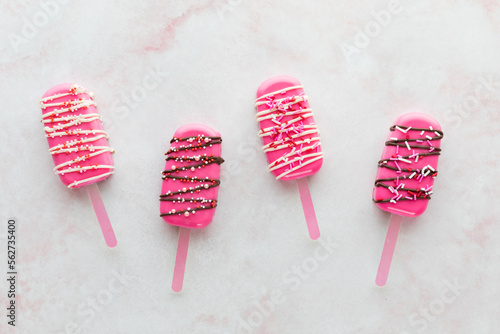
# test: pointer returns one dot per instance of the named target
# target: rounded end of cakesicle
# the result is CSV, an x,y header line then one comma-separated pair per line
x,y
194,130
57,89
276,83
418,119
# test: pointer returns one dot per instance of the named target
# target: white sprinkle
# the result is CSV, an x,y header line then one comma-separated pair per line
x,y
398,128
421,133
405,160
393,138
430,127
412,175
437,133
428,137
407,145
393,201
430,167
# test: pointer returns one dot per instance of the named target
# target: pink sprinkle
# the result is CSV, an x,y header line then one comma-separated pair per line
x,y
399,197
408,197
428,142
397,149
399,169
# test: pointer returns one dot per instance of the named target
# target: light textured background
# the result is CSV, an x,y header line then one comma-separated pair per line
x,y
440,57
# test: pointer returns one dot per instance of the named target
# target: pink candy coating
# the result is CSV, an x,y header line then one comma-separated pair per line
x,y
101,159
272,85
409,208
200,218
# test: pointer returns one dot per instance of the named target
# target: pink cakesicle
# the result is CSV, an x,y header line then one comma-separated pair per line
x,y
405,176
190,186
290,137
78,145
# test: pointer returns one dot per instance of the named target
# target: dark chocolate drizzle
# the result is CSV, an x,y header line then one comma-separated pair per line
x,y
416,193
208,160
204,160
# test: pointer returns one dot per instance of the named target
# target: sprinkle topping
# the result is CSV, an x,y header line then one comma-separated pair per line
x,y
413,149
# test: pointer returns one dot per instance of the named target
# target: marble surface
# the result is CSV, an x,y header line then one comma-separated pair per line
x,y
156,65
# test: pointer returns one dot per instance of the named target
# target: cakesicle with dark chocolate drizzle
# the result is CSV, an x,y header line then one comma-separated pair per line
x,y
405,177
190,187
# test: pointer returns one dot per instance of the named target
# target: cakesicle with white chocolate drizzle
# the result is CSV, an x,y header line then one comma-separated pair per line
x,y
290,137
79,145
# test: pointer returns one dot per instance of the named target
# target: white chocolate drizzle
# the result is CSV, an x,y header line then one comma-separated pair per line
x,y
67,121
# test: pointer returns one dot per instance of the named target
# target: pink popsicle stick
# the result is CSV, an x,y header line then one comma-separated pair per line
x,y
180,259
388,251
307,205
102,215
